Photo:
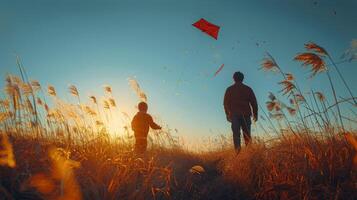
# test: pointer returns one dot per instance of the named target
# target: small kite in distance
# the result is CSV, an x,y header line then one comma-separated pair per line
x,y
207,27
219,69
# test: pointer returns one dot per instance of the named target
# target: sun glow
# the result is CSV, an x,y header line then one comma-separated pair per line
x,y
115,121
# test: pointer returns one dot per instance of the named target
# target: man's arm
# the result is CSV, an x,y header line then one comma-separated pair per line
x,y
227,104
253,104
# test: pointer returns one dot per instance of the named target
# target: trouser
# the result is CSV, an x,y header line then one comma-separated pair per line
x,y
140,145
241,122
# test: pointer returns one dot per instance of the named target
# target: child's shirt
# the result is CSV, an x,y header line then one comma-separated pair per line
x,y
141,124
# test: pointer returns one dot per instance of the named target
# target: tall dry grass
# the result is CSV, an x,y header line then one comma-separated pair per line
x,y
315,157
295,167
55,149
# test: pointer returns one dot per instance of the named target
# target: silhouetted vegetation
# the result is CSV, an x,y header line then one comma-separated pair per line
x,y
53,149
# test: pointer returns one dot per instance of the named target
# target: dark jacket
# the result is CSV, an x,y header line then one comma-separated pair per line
x,y
141,124
240,99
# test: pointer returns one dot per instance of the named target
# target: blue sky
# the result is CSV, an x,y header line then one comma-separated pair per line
x,y
92,43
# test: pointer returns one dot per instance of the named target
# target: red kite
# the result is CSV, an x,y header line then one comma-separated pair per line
x,y
219,69
207,27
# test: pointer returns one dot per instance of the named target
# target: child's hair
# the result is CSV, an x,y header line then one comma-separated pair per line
x,y
142,106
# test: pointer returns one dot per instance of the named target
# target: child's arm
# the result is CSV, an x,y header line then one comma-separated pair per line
x,y
153,125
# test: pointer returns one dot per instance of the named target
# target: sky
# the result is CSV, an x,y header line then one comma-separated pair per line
x,y
92,43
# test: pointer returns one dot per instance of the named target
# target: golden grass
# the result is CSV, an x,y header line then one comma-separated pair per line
x,y
53,149
295,167
317,64
7,157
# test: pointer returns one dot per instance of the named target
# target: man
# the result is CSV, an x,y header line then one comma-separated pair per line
x,y
240,104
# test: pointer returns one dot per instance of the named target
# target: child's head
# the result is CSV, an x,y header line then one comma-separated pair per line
x,y
143,107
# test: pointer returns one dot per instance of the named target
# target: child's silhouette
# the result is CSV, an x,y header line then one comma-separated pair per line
x,y
140,125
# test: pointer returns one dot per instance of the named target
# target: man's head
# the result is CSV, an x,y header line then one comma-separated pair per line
x,y
143,107
238,77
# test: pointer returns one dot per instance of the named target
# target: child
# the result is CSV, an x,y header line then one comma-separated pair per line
x,y
140,125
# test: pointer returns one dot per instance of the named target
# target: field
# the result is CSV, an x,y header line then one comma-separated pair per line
x,y
52,149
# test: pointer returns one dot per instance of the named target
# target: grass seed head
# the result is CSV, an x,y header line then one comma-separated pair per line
x,y
320,96
108,89
73,90
269,64
316,48
288,87
289,77
112,102
94,99
292,111
316,62
51,90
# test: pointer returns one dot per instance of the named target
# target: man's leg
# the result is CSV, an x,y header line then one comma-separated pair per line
x,y
236,125
246,129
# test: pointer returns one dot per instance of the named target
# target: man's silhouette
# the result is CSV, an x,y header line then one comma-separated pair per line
x,y
240,104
